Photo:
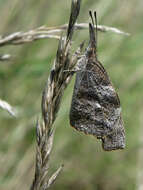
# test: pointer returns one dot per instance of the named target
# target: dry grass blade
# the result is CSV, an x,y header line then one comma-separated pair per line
x,y
44,32
103,28
83,26
52,94
54,176
75,7
5,57
6,106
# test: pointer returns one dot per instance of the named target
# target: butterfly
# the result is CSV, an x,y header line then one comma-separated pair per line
x,y
95,107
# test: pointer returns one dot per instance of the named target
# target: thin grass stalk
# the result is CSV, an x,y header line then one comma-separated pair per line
x,y
6,106
51,99
43,32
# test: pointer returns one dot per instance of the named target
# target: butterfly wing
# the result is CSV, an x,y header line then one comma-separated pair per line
x,y
116,140
95,107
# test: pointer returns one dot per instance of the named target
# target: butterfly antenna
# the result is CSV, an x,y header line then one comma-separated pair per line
x,y
95,16
90,14
92,42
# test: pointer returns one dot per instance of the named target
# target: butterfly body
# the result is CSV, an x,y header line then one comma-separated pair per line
x,y
95,107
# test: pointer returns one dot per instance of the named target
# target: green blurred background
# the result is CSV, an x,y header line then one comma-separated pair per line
x,y
87,166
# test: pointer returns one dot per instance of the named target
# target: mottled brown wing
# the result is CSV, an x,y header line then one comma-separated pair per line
x,y
116,140
95,107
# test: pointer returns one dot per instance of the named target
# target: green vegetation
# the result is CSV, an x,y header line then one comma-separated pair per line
x,y
87,166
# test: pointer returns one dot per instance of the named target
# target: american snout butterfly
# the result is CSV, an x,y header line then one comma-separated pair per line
x,y
95,107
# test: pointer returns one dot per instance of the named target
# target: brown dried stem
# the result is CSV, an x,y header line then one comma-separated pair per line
x,y
52,94
49,32
44,32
